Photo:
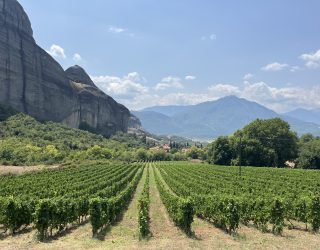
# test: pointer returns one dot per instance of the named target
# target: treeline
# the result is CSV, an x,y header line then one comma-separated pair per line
x,y
266,143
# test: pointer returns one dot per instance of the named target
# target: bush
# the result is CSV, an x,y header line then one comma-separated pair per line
x,y
97,152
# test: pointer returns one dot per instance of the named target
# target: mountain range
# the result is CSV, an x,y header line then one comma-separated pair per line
x,y
312,115
208,120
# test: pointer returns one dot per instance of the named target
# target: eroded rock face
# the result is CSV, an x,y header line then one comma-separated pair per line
x,y
78,74
134,122
97,109
31,81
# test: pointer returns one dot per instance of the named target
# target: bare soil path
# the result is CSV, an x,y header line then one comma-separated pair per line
x,y
24,169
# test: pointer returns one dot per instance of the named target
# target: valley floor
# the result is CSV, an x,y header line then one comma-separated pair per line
x,y
125,235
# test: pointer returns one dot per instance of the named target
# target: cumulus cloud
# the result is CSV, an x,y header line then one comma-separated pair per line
x,y
294,68
312,65
169,82
275,66
248,76
132,91
283,98
312,60
190,78
57,51
311,57
116,30
125,87
77,57
220,90
279,99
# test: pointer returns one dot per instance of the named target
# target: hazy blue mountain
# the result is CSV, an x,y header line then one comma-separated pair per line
x,y
157,123
305,115
170,110
209,120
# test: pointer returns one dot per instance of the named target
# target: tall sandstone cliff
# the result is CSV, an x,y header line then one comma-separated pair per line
x,y
31,81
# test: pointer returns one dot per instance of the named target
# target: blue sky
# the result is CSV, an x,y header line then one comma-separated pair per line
x,y
147,52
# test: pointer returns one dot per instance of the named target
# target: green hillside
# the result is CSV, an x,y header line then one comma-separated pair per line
x,y
26,141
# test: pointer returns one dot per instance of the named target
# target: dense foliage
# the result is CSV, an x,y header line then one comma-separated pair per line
x,y
260,196
106,210
180,209
52,199
143,207
309,152
261,143
25,141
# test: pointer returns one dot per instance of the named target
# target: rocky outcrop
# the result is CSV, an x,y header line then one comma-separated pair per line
x,y
97,110
79,75
31,81
134,122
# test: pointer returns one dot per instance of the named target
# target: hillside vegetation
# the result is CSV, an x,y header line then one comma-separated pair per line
x,y
26,141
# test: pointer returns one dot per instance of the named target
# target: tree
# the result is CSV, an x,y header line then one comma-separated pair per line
x,y
268,143
253,153
306,138
309,153
220,151
141,155
97,152
194,153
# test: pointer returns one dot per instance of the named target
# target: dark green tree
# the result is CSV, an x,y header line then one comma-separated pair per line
x,y
309,153
220,151
268,143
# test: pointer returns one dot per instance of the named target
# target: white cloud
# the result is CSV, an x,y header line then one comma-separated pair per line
x,y
57,51
312,65
220,90
213,37
169,82
312,56
275,66
279,99
294,68
131,90
77,57
283,98
116,30
126,87
248,76
312,60
183,99
190,78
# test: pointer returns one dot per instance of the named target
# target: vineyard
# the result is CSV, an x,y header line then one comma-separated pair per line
x,y
51,200
260,196
195,197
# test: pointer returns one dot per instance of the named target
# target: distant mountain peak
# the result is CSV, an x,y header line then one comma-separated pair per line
x,y
211,119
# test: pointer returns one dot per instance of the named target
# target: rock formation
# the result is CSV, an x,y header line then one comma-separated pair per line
x,y
31,81
78,74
